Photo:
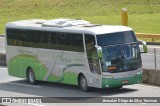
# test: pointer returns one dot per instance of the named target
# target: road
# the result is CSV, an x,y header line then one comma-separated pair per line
x,y
17,87
148,59
9,85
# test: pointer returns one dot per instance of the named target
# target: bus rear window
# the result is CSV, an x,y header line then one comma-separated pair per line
x,y
116,38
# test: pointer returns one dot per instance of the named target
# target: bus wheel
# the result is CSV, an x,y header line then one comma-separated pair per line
x,y
83,83
31,76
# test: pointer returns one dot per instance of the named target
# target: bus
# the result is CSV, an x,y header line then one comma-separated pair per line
x,y
75,52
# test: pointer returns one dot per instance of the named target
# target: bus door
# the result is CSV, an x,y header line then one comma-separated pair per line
x,y
93,62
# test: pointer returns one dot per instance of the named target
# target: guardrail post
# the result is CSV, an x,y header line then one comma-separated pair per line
x,y
155,59
124,17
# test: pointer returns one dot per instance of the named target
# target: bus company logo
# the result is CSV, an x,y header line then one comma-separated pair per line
x,y
6,100
61,58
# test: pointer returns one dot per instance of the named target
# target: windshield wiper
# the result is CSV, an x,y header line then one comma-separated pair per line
x,y
121,58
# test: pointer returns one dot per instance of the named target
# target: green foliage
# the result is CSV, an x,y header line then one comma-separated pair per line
x,y
143,14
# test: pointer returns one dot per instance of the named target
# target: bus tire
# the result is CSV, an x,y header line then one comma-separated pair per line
x,y
83,83
31,76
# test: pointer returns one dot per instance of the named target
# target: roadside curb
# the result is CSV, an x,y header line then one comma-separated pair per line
x,y
3,59
151,76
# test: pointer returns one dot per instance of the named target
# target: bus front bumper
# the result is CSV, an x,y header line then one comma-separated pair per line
x,y
111,82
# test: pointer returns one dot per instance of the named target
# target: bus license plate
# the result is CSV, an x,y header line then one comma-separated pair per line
x,y
125,82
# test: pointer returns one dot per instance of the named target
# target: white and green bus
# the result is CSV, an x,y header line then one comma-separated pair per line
x,y
73,52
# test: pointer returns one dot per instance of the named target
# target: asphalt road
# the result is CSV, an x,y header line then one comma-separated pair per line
x,y
17,87
148,59
10,87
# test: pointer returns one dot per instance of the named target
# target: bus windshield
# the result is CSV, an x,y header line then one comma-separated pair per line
x,y
120,52
116,38
121,58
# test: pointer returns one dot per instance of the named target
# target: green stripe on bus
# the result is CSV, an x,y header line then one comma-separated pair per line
x,y
17,66
67,77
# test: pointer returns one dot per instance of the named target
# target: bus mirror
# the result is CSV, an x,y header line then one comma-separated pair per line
x,y
99,51
144,46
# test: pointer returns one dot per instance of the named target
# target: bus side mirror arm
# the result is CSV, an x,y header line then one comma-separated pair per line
x,y
99,51
145,50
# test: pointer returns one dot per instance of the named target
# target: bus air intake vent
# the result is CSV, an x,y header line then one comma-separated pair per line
x,y
64,23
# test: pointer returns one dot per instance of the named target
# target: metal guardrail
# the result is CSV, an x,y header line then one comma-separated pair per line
x,y
151,36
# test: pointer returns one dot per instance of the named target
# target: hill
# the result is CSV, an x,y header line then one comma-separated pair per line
x,y
143,14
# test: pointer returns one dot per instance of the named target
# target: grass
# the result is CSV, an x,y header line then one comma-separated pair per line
x,y
143,14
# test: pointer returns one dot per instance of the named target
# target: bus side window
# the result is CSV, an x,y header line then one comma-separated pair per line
x,y
59,41
92,54
45,39
12,37
34,37
53,41
63,39
76,42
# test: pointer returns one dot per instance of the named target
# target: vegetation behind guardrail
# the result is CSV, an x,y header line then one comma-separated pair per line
x,y
143,14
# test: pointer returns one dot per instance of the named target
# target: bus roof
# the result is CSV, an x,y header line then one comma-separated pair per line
x,y
66,25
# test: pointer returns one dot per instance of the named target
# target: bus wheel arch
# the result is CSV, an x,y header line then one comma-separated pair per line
x,y
30,76
82,82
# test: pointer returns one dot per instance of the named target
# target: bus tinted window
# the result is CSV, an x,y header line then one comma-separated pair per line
x,y
116,38
53,38
76,42
64,39
45,39
67,41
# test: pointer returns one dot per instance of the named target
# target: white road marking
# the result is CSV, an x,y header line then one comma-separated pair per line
x,y
25,85
143,103
35,104
3,68
148,86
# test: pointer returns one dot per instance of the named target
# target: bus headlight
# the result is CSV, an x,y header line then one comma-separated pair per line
x,y
139,71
